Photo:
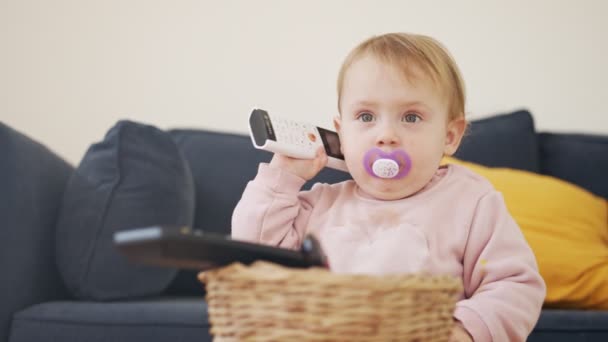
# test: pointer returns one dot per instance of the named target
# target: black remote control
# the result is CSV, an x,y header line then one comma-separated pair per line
x,y
183,247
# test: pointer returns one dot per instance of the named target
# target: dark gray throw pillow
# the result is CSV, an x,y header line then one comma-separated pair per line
x,y
136,177
504,140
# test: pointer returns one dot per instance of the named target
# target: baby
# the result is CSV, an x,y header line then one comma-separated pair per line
x,y
401,103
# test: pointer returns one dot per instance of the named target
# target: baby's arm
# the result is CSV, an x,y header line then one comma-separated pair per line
x,y
272,209
504,291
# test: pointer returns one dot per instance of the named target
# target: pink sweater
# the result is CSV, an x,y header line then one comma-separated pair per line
x,y
458,224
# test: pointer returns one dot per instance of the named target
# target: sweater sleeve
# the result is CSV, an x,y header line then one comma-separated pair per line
x,y
504,291
273,210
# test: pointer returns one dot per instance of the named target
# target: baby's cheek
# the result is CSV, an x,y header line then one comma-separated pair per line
x,y
355,166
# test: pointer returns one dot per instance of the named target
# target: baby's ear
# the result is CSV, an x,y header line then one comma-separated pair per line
x,y
454,133
337,123
338,126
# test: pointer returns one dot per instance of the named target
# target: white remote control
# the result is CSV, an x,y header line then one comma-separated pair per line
x,y
294,139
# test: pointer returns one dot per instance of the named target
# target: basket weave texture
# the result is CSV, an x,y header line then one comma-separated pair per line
x,y
267,302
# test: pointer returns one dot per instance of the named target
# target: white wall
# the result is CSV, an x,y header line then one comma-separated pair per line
x,y
70,69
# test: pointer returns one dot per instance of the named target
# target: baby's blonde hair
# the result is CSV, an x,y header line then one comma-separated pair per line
x,y
404,51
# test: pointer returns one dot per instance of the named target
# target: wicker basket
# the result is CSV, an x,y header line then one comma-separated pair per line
x,y
266,302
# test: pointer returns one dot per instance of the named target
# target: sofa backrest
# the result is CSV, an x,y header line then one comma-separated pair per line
x,y
221,165
581,159
510,140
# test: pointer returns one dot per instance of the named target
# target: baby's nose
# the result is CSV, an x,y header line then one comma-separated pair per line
x,y
387,137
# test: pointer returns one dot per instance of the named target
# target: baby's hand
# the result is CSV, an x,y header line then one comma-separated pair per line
x,y
304,168
459,334
202,277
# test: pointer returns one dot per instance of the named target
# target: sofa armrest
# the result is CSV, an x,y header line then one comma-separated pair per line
x,y
32,179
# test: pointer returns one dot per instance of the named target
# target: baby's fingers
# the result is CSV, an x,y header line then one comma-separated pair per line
x,y
320,159
202,277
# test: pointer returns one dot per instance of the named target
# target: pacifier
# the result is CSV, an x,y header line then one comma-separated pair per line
x,y
389,165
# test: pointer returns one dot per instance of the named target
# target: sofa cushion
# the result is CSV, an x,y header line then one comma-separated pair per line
x,y
135,177
506,140
32,180
570,325
578,158
161,319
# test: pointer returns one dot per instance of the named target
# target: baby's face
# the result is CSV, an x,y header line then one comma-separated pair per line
x,y
381,108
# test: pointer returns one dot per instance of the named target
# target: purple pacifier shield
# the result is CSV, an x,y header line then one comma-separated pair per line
x,y
399,156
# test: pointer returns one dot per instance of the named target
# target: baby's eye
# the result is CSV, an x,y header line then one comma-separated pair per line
x,y
411,118
366,117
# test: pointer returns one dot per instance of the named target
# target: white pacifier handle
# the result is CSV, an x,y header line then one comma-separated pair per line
x,y
395,164
385,168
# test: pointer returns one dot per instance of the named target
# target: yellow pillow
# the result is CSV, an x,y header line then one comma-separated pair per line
x,y
566,227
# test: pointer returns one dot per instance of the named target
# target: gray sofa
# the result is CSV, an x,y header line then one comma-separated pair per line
x,y
63,281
